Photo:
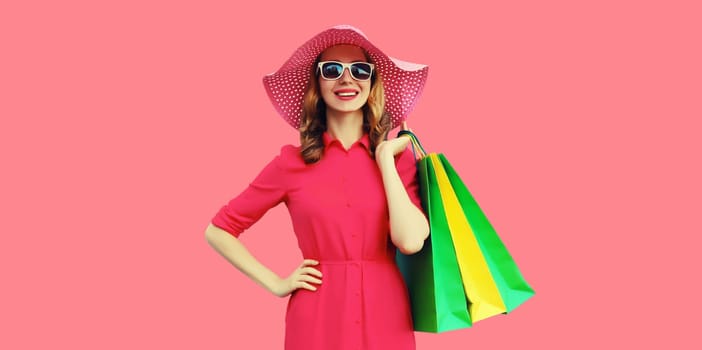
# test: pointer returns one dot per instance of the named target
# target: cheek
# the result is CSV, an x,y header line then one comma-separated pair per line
x,y
325,86
366,90
324,90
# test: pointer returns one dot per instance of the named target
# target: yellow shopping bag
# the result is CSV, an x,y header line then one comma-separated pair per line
x,y
482,292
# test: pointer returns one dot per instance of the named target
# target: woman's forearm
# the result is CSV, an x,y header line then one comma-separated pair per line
x,y
236,253
408,225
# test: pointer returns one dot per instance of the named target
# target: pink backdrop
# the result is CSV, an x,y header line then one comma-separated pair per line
x,y
127,124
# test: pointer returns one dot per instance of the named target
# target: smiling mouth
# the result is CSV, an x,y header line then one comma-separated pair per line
x,y
346,94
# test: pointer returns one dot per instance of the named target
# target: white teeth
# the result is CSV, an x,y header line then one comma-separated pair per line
x,y
346,93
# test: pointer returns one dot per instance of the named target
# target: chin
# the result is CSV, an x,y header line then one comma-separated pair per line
x,y
347,109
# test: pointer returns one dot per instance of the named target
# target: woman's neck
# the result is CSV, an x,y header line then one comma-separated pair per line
x,y
347,127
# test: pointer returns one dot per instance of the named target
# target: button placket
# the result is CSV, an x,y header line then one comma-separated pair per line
x,y
356,275
345,182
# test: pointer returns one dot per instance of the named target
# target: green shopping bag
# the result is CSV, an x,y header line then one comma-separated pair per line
x,y
484,298
432,276
503,276
509,280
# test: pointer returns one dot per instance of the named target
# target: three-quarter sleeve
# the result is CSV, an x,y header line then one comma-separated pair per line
x,y
407,169
266,191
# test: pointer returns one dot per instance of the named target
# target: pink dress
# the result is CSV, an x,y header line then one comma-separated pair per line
x,y
340,217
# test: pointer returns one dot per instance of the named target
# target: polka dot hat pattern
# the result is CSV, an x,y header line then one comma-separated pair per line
x,y
403,81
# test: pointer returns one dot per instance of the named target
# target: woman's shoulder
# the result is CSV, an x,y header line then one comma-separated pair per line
x,y
290,153
290,158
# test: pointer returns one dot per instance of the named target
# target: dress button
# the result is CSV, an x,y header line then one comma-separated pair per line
x,y
348,205
358,321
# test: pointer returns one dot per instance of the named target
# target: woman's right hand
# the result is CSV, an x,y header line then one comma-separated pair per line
x,y
302,277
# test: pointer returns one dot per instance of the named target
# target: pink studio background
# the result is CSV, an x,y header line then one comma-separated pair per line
x,y
126,125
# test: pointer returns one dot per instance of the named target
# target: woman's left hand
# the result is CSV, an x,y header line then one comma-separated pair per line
x,y
390,148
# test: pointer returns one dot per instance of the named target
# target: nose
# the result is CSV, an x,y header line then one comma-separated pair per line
x,y
346,74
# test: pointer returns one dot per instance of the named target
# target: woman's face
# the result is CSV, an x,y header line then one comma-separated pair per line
x,y
345,94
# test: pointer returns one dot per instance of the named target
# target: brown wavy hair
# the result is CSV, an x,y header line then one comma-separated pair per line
x,y
313,123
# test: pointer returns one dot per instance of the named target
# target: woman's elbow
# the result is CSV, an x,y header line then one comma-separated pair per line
x,y
212,233
411,247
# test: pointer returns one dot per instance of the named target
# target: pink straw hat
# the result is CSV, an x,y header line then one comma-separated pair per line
x,y
403,81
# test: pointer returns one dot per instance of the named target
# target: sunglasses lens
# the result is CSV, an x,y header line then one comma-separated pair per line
x,y
361,71
332,70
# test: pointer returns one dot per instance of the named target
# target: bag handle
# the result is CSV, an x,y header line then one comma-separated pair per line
x,y
416,145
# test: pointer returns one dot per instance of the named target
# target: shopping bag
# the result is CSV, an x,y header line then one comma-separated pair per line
x,y
478,282
491,280
512,286
432,275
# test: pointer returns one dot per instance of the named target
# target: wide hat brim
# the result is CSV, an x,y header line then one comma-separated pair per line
x,y
403,81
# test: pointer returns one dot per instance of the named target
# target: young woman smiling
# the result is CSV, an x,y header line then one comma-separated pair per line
x,y
351,193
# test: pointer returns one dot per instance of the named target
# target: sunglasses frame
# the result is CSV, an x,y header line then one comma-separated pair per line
x,y
345,66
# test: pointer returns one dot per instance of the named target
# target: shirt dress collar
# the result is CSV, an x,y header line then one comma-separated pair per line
x,y
328,140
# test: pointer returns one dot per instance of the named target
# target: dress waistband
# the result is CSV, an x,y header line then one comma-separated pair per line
x,y
357,262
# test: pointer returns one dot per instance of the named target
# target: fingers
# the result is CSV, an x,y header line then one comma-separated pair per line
x,y
312,271
406,128
309,262
305,275
308,278
306,267
307,286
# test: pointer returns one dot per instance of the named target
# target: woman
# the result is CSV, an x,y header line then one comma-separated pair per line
x,y
351,194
